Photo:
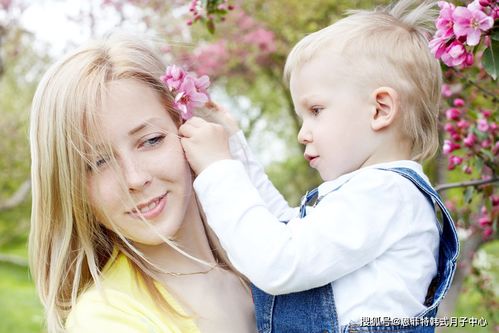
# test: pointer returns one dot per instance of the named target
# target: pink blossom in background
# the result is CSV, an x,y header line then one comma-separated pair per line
x,y
463,124
483,126
458,102
438,44
470,140
484,3
210,59
455,54
262,38
471,23
5,4
453,113
445,22
446,91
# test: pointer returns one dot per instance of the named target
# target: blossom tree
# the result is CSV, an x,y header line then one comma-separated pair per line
x,y
467,43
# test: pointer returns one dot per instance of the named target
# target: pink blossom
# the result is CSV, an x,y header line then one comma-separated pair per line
x,y
449,128
173,77
487,232
486,113
495,200
262,38
458,102
210,59
467,169
470,23
483,126
202,83
456,136
484,221
453,114
453,162
446,90
449,147
5,4
463,124
485,3
486,143
455,54
469,60
445,22
495,150
189,98
470,140
438,44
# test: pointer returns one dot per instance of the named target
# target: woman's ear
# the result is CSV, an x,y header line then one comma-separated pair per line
x,y
387,106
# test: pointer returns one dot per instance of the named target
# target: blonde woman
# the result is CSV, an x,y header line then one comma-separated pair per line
x,y
118,242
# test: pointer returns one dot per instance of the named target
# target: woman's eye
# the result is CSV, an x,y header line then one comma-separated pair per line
x,y
153,141
98,163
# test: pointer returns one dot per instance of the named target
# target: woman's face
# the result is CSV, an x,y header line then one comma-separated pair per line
x,y
151,167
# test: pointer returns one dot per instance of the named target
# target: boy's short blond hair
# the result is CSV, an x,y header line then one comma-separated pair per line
x,y
387,47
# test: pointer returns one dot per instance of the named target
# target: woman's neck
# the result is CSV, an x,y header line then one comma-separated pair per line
x,y
190,238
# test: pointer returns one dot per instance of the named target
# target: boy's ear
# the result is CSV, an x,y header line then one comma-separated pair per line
x,y
387,106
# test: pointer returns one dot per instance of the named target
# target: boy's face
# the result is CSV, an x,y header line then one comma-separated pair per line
x,y
335,113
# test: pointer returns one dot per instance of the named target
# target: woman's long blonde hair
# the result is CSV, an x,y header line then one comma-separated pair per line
x,y
67,245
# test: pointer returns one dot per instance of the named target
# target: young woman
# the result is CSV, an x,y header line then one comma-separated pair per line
x,y
118,242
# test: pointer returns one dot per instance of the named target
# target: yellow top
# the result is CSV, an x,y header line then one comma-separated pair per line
x,y
124,306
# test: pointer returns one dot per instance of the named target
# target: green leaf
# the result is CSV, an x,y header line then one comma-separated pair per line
x,y
210,25
468,194
495,34
490,59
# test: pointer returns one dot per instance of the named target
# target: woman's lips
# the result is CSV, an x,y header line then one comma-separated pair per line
x,y
152,210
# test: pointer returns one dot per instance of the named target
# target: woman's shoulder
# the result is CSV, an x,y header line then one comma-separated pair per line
x,y
120,304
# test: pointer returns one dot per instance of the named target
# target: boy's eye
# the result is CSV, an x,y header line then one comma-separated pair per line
x,y
315,110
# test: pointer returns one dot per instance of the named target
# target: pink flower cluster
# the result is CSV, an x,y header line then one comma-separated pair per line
x,y
459,30
189,90
486,217
468,135
246,42
213,7
5,4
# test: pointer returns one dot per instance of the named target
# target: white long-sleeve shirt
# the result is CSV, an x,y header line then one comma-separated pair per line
x,y
373,235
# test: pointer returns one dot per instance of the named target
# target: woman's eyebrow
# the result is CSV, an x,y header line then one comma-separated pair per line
x,y
142,126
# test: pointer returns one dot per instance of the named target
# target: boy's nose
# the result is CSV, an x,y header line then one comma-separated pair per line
x,y
304,135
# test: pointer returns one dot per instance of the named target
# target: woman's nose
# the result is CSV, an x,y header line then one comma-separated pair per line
x,y
136,175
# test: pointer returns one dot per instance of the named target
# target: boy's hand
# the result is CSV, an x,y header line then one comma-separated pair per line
x,y
204,143
217,114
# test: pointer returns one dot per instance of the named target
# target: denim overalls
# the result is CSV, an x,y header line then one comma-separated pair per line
x,y
314,311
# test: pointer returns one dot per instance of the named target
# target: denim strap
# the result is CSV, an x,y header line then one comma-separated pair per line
x,y
306,199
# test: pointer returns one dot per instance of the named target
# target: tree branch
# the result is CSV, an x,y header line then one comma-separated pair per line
x,y
18,197
477,182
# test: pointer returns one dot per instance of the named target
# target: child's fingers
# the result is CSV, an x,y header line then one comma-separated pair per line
x,y
188,128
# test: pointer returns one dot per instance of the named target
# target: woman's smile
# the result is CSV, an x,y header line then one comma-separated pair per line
x,y
151,209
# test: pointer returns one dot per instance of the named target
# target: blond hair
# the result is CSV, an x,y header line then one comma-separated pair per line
x,y
387,47
68,247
